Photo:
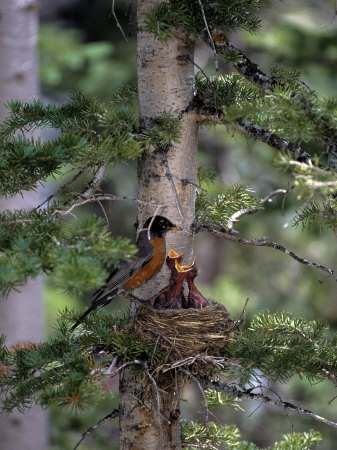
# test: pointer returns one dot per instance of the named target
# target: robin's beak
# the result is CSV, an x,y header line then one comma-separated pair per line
x,y
176,228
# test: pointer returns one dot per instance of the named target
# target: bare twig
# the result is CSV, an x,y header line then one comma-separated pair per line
x,y
174,191
104,213
117,22
68,183
262,242
151,222
244,212
209,81
110,416
211,40
286,225
98,198
242,317
244,393
272,194
94,183
187,181
190,375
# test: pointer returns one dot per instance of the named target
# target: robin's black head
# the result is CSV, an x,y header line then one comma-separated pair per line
x,y
159,226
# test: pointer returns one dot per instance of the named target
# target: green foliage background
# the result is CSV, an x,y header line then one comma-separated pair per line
x,y
75,55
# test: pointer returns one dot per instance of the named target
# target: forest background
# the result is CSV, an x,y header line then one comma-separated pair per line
x,y
81,48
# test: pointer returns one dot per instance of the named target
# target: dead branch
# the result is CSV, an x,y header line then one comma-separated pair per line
x,y
116,20
98,198
244,212
94,183
110,416
233,391
260,242
211,40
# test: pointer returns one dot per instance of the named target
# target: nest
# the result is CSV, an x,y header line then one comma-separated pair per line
x,y
185,332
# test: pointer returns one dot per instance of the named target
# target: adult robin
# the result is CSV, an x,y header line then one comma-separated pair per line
x,y
147,263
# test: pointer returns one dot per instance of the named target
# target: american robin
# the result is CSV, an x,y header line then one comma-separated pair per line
x,y
147,262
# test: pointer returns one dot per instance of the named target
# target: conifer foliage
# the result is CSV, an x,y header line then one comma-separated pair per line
x,y
277,109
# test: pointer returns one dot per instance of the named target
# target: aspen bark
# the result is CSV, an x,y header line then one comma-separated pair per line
x,y
21,315
165,84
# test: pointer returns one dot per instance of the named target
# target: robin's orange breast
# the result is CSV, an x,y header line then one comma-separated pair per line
x,y
151,267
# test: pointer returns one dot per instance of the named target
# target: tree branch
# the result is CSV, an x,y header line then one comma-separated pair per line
x,y
95,182
98,198
68,183
205,112
274,140
244,65
244,212
110,416
210,38
260,242
246,393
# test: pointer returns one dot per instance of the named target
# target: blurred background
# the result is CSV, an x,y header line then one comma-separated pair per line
x,y
81,48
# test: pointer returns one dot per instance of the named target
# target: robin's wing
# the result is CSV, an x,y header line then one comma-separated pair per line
x,y
126,271
120,276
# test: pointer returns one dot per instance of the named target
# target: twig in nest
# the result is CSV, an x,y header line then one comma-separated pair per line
x,y
110,416
218,362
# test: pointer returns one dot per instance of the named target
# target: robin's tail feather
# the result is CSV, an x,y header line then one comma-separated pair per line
x,y
99,301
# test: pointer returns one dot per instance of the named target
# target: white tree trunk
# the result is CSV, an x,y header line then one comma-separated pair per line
x,y
21,315
165,84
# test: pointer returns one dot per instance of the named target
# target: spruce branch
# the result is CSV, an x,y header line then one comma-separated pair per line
x,y
274,140
209,113
219,231
108,417
233,391
241,62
